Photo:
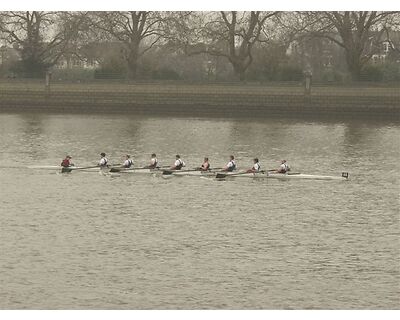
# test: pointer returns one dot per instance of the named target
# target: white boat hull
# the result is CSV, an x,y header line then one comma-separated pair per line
x,y
194,173
139,171
210,174
284,176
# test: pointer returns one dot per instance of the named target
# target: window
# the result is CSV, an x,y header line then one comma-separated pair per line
x,y
386,47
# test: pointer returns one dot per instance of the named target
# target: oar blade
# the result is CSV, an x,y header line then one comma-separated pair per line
x,y
220,176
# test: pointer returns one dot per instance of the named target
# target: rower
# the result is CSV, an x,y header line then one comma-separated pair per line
x,y
178,163
231,165
67,162
128,161
206,165
284,167
153,162
103,161
256,167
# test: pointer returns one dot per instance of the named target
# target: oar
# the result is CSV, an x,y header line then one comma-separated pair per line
x,y
167,172
224,175
266,171
69,169
214,169
139,168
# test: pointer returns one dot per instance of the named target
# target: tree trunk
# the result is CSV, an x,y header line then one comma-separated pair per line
x,y
354,65
132,61
239,70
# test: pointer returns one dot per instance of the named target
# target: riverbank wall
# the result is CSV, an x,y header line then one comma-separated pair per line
x,y
253,100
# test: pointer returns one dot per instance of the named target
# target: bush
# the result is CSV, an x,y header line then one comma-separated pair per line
x,y
290,73
371,73
391,72
332,76
114,68
28,69
72,74
165,74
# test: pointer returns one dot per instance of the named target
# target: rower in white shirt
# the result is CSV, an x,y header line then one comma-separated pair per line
x,y
256,167
179,163
284,167
231,165
153,162
103,161
128,161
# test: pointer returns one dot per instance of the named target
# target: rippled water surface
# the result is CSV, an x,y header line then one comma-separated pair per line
x,y
82,240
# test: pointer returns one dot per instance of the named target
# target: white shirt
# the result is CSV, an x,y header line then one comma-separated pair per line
x,y
153,161
103,161
128,162
231,164
179,162
257,166
284,167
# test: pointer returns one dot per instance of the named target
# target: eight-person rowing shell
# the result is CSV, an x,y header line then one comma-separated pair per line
x,y
179,163
280,173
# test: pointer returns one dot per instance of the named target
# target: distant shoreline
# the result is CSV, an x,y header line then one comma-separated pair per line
x,y
232,100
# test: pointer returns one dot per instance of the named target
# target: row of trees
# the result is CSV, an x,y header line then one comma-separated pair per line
x,y
42,38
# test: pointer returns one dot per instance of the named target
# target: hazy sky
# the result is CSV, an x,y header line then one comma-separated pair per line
x,y
175,5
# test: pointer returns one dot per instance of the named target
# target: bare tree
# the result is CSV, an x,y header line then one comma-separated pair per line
x,y
136,31
41,38
358,33
228,34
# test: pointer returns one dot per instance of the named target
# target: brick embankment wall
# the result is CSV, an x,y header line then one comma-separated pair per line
x,y
198,100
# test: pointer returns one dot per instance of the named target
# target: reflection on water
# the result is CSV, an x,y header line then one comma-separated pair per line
x,y
141,242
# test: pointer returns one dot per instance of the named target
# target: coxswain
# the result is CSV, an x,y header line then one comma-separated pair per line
x,y
256,167
178,163
103,161
284,167
67,162
128,162
231,165
206,165
153,162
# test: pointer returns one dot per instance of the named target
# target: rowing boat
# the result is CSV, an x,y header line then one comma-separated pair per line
x,y
198,173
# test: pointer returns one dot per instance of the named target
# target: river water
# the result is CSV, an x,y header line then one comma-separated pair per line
x,y
86,241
